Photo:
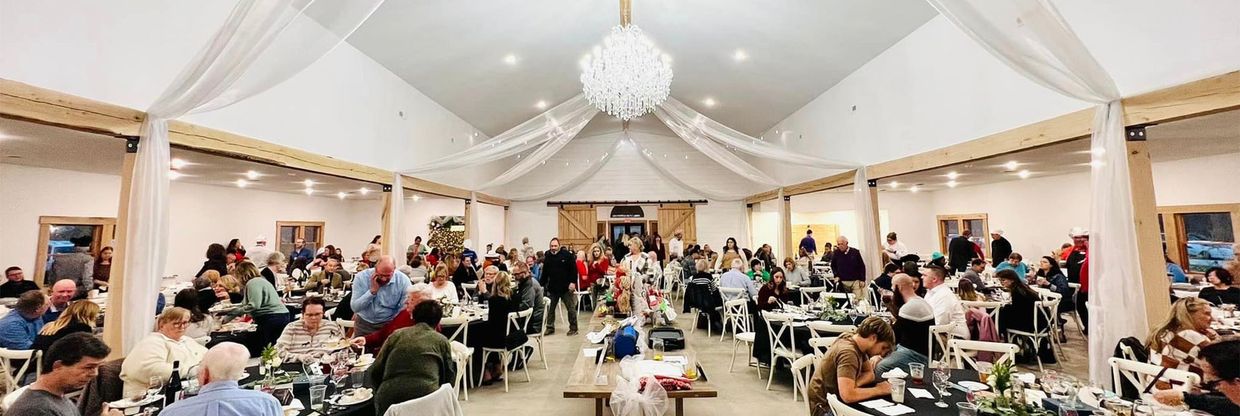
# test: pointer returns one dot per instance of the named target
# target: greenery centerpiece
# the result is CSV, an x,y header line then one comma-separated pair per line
x,y
829,311
1005,400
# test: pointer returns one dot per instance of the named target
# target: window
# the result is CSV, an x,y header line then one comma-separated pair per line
x,y
57,236
290,231
951,226
1198,237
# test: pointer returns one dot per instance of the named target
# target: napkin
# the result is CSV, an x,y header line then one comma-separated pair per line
x,y
590,352
898,409
921,393
895,373
876,403
293,407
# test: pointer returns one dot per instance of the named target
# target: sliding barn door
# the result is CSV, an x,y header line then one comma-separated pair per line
x,y
678,217
577,225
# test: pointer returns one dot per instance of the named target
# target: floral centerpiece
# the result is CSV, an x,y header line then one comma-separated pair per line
x,y
269,361
829,312
449,308
1005,400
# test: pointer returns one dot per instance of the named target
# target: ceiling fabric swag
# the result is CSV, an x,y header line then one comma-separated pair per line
x,y
577,180
718,153
692,125
561,122
259,45
654,162
1032,38
532,161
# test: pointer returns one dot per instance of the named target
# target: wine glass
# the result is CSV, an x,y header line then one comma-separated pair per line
x,y
941,375
154,385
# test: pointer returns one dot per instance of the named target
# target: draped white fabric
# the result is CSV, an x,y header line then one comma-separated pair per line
x,y
864,206
533,160
666,174
261,44
576,180
716,152
692,125
395,245
560,123
1032,38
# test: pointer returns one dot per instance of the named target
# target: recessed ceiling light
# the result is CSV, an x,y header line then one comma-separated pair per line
x,y
340,195
1011,165
895,185
252,175
510,59
364,190
953,175
951,184
709,102
174,175
1024,174
914,189
241,183
740,55
417,197
178,163
309,191
541,104
308,183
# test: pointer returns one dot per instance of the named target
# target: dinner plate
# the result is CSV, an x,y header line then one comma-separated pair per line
x,y
973,385
338,345
1090,396
353,399
127,402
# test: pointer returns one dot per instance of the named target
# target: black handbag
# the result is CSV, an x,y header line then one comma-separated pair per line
x,y
673,338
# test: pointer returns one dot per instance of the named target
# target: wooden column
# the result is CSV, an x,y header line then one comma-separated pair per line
x,y
876,245
116,285
469,224
748,224
785,225
1145,221
386,220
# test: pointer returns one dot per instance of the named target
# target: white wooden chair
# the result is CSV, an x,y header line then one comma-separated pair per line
x,y
440,403
1142,374
965,351
780,350
821,345
838,408
991,308
836,297
461,352
731,309
536,339
1076,316
520,320
13,377
939,336
1053,319
802,371
826,329
729,293
1045,310
741,330
807,290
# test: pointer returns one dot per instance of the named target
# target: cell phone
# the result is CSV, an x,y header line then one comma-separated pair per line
x,y
284,395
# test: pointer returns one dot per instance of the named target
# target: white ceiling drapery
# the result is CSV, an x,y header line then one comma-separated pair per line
x,y
576,180
664,172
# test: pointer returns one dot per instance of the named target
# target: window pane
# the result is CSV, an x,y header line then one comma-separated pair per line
x,y
311,234
288,233
951,229
1209,239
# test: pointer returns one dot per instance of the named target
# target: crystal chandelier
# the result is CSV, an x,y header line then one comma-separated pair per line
x,y
626,77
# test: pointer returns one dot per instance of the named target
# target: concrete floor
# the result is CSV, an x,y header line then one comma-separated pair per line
x,y
740,392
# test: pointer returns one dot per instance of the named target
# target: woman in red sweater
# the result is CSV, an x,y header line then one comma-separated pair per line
x,y
596,268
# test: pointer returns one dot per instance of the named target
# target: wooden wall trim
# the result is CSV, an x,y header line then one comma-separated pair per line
x,y
1197,98
27,102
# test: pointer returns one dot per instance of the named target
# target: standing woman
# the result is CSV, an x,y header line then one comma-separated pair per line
x,y
237,250
103,268
217,259
659,249
274,263
262,302
597,265
373,251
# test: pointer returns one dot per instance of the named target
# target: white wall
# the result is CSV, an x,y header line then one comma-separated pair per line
x,y
491,222
200,214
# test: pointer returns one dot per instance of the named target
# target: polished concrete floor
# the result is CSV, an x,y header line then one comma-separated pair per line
x,y
740,392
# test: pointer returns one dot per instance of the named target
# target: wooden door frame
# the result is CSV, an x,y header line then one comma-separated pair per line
x,y
1173,226
960,218
45,233
301,224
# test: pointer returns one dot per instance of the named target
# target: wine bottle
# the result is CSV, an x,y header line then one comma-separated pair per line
x,y
173,387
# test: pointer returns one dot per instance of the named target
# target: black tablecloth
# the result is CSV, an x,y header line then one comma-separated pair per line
x,y
252,340
926,406
302,393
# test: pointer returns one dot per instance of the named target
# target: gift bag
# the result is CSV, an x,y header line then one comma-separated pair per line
x,y
635,398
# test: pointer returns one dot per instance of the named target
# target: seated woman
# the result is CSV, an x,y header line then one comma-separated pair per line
x,y
310,337
774,293
228,288
414,361
1175,343
1018,314
794,273
1220,291
1050,277
702,294
80,316
200,324
441,287
487,282
757,270
273,269
331,275
968,292
492,333
155,354
262,302
418,264
1014,263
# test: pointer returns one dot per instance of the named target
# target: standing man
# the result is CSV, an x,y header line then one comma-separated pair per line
x,y
414,250
960,251
560,272
808,244
77,266
1078,271
677,244
378,295
1000,248
70,364
15,283
849,267
300,251
895,249
260,252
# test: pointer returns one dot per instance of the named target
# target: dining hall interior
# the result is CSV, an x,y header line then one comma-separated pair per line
x,y
619,207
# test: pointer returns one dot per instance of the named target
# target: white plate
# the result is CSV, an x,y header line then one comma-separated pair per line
x,y
127,403
1090,396
973,385
352,400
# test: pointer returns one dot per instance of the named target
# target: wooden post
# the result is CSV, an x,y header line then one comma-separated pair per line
x,y
469,225
386,220
876,246
785,225
748,224
116,285
1145,221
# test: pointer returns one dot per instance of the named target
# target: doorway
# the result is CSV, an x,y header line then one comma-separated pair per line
x,y
627,229
59,235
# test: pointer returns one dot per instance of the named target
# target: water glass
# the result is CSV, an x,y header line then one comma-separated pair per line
x,y
917,371
356,378
897,390
967,409
316,397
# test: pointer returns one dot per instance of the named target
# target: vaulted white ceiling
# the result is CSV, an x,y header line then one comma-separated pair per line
x,y
454,51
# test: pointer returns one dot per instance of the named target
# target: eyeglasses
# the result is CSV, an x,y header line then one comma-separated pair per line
x,y
181,323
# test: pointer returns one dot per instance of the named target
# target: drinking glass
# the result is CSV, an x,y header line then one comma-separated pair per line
x,y
355,378
941,375
154,385
897,390
967,409
316,397
917,371
983,371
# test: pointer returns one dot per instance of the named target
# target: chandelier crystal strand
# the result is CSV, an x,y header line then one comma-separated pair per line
x,y
626,77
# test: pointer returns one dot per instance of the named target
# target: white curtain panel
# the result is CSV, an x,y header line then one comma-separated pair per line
x,y
696,126
561,122
533,160
586,174
233,65
395,246
871,253
717,152
1032,38
664,172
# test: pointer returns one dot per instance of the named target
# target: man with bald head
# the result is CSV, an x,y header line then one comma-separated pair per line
x,y
379,294
374,341
913,320
63,292
220,394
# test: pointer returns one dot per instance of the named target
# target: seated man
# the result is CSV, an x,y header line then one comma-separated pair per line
x,y
308,338
332,275
531,295
374,341
20,326
849,366
220,395
15,283
1220,362
947,307
912,327
974,274
737,279
62,293
70,364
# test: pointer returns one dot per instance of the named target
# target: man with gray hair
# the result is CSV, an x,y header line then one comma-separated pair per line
x,y
220,394
737,279
415,295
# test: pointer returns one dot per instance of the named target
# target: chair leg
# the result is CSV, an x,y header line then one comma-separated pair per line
x,y
483,368
503,364
770,375
541,355
749,359
525,358
693,326
735,345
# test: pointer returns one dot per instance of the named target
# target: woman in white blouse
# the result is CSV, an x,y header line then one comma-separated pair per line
x,y
153,355
442,286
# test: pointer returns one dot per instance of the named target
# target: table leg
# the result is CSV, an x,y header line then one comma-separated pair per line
x,y
680,407
598,407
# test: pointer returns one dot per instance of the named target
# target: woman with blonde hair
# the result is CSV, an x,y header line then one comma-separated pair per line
x,y
228,288
262,302
154,355
442,286
80,316
1175,343
495,332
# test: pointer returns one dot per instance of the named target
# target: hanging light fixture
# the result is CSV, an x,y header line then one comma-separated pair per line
x,y
627,76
